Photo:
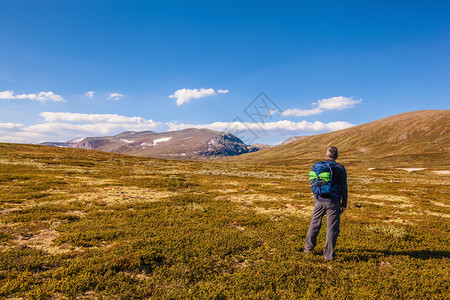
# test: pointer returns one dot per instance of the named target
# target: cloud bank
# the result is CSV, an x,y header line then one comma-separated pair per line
x,y
334,103
40,97
63,126
186,95
52,117
283,127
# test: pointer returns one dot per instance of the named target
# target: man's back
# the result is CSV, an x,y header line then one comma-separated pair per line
x,y
340,177
332,206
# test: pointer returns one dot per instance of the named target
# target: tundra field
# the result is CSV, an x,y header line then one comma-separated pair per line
x,y
77,224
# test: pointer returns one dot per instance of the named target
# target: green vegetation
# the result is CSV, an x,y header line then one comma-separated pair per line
x,y
80,224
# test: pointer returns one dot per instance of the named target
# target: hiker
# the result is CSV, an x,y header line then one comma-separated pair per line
x,y
330,200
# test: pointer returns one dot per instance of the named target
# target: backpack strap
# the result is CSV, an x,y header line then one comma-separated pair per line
x,y
334,186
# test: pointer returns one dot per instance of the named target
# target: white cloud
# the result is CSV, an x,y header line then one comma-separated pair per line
x,y
271,112
301,112
89,94
41,97
269,128
92,118
338,103
67,126
64,131
10,125
115,96
334,103
185,95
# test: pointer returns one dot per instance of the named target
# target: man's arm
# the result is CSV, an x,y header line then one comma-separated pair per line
x,y
343,188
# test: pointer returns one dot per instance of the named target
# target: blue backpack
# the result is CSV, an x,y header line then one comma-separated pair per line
x,y
321,178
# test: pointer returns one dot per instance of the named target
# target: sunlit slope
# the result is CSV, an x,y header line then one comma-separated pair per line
x,y
416,139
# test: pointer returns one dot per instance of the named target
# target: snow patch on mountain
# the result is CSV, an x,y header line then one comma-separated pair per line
x,y
160,140
127,141
76,140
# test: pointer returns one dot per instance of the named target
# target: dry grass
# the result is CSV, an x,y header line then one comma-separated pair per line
x,y
87,225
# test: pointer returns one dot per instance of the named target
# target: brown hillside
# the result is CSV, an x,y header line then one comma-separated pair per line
x,y
412,139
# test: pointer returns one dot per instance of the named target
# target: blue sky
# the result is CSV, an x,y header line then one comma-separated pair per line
x,y
325,65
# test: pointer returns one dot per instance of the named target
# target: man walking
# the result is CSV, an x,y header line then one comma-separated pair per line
x,y
332,204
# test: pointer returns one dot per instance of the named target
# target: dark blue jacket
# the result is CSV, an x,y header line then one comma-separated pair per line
x,y
339,176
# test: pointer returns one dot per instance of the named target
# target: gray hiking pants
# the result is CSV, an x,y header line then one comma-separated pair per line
x,y
332,210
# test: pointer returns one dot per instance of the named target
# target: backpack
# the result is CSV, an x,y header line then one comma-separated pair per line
x,y
321,178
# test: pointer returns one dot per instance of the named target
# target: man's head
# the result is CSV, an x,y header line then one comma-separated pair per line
x,y
332,153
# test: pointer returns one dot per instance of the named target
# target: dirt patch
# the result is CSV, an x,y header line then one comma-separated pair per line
x,y
361,203
225,191
288,209
402,205
43,240
269,184
102,196
399,221
44,166
412,169
141,277
23,162
396,232
94,181
77,213
381,200
383,197
444,172
439,204
233,183
424,213
9,210
252,198
123,195
235,225
436,214
251,203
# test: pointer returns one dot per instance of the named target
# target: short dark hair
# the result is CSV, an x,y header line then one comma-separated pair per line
x,y
332,152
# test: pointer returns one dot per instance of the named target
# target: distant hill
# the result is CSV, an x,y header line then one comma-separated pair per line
x,y
416,139
187,143
292,139
257,147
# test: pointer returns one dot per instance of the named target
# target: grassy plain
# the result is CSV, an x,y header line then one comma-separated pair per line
x,y
78,224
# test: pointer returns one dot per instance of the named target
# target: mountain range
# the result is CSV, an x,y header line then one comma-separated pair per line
x,y
188,143
418,138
